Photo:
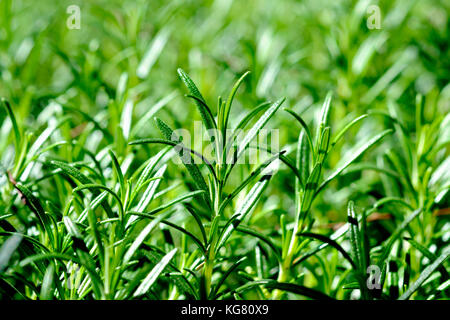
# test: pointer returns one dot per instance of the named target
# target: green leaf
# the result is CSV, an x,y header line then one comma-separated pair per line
x,y
17,135
336,235
255,173
346,128
185,157
173,202
118,171
176,227
71,227
353,155
289,287
183,284
126,118
149,192
143,121
154,274
33,203
96,281
394,237
223,116
248,117
102,187
179,146
153,52
205,111
302,161
192,211
355,237
94,204
47,284
325,111
92,219
145,170
258,125
141,237
263,238
248,203
330,242
430,255
298,289
70,170
222,279
310,190
323,146
424,275
304,126
8,248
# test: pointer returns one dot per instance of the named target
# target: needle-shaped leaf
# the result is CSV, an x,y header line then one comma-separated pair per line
x,y
70,170
255,173
330,242
17,135
118,171
94,204
48,283
143,121
153,52
323,145
141,237
149,192
182,149
425,275
35,205
390,242
241,125
8,248
205,111
325,110
224,277
247,205
310,189
174,202
71,227
176,227
302,162
185,157
304,126
289,287
96,281
180,280
154,274
347,127
265,239
352,156
102,187
355,237
430,255
249,116
336,235
258,125
95,232
225,114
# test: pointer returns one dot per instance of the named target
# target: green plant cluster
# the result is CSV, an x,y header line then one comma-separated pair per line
x,y
100,198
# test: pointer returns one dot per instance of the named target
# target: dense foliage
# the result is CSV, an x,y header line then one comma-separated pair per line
x,y
101,197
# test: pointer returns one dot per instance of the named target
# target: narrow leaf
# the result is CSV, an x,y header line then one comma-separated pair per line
x,y
424,275
154,274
